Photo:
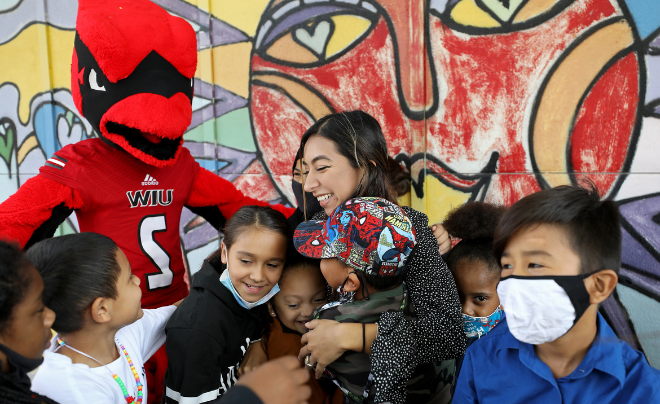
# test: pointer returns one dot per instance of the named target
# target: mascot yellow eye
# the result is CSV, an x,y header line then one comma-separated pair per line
x,y
93,81
313,34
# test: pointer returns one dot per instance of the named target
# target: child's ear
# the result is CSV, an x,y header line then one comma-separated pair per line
x,y
100,311
601,285
271,310
223,253
352,283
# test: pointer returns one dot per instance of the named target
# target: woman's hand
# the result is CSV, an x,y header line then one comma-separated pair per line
x,y
327,340
255,356
444,241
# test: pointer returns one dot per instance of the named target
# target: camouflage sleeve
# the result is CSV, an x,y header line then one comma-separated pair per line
x,y
434,334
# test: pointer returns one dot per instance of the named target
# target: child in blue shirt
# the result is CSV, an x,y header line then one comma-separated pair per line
x,y
560,251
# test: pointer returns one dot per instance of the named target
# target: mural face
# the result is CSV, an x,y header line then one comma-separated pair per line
x,y
481,99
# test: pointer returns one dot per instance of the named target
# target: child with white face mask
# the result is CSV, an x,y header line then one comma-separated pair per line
x,y
560,250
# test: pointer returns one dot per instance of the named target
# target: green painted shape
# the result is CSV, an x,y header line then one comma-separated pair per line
x,y
204,133
65,228
7,139
234,130
643,312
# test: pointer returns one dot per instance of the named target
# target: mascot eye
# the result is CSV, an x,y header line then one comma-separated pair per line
x,y
192,82
93,81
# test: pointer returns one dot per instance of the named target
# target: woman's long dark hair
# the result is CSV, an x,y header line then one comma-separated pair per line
x,y
358,137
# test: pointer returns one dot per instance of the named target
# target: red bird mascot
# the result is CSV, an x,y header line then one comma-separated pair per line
x,y
131,77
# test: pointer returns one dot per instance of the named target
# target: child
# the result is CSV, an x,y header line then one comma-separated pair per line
x,y
209,334
302,290
474,267
560,250
103,335
364,246
24,326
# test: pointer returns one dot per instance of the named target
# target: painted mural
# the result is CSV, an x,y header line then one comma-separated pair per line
x,y
480,99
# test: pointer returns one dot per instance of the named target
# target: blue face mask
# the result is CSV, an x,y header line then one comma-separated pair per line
x,y
479,326
226,281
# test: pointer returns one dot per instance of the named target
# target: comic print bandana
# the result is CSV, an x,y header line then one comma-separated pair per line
x,y
371,235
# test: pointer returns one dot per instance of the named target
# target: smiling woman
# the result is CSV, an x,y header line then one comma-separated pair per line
x,y
24,326
345,156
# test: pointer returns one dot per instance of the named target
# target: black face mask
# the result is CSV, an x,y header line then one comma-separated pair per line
x,y
313,205
20,365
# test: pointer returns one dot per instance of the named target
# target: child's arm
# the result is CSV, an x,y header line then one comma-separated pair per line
x,y
194,366
255,356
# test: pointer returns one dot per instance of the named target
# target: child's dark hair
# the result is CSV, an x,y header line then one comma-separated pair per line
x,y
591,225
245,218
77,269
14,281
358,137
399,178
474,223
295,260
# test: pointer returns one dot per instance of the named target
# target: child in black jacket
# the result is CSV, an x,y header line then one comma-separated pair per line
x,y
210,332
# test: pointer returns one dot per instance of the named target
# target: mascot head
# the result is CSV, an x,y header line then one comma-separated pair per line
x,y
131,76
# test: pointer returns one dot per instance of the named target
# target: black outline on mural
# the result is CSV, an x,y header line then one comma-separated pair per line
x,y
482,180
637,127
549,14
14,141
541,91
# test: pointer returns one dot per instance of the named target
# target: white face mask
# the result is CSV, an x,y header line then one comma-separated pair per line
x,y
542,309
226,281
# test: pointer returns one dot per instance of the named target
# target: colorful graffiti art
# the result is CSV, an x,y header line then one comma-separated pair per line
x,y
480,99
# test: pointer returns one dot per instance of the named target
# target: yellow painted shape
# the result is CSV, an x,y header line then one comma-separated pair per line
x,y
468,13
244,15
439,200
40,61
288,50
561,98
348,28
404,200
28,145
227,66
534,8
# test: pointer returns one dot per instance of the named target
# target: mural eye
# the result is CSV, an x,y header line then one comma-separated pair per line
x,y
310,34
93,81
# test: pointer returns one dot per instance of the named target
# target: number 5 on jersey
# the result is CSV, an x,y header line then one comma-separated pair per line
x,y
149,225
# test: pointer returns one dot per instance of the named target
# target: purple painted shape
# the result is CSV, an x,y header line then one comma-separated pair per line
x,y
656,111
197,237
655,43
221,33
297,18
238,161
639,214
653,83
200,150
635,255
618,320
223,101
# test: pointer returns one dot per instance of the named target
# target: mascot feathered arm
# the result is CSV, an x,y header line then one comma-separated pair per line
x,y
36,209
216,199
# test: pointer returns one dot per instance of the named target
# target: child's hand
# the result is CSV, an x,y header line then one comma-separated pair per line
x,y
255,356
282,381
444,241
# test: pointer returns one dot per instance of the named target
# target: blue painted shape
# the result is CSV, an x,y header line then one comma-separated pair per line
x,y
643,313
646,15
212,165
45,127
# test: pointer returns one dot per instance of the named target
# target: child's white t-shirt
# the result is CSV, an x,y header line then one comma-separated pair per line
x,y
68,383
